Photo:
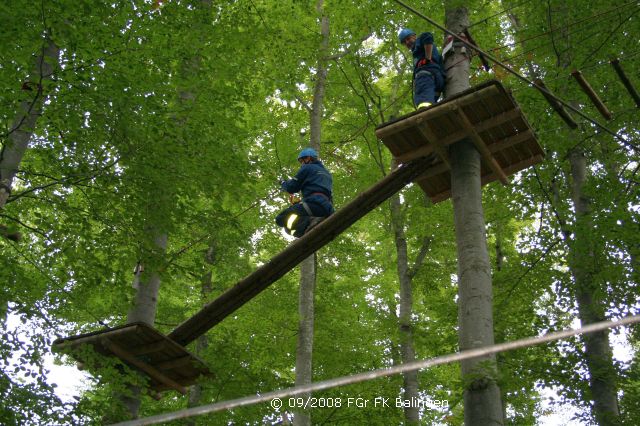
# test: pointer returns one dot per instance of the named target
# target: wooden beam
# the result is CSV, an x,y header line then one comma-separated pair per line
x,y
460,100
439,148
505,143
482,149
586,88
93,338
557,106
249,287
511,169
431,113
432,171
429,148
152,372
521,165
149,348
625,80
497,120
441,196
172,364
452,138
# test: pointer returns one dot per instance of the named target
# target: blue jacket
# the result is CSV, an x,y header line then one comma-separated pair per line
x,y
418,54
311,178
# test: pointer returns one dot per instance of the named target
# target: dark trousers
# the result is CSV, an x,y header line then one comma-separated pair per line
x,y
428,84
298,224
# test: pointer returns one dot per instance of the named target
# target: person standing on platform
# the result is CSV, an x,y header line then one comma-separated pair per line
x,y
428,68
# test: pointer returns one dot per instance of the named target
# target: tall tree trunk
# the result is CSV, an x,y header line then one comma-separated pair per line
x,y
25,122
304,350
482,401
407,352
591,306
144,308
146,298
591,309
202,343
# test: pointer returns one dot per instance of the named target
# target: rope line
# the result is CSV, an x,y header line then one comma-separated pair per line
x,y
589,68
518,75
522,3
385,372
567,26
511,59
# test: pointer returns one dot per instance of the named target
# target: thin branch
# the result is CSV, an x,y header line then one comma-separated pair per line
x,y
611,34
350,50
19,222
529,269
422,254
302,101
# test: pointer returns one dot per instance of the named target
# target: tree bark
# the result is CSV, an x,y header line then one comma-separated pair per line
x,y
405,278
146,297
202,343
582,251
304,350
591,309
25,122
317,105
407,351
482,401
144,310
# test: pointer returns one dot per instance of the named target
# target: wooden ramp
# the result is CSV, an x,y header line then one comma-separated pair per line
x,y
487,115
168,365
297,251
165,360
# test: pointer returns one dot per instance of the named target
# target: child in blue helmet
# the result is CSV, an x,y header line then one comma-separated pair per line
x,y
428,68
316,185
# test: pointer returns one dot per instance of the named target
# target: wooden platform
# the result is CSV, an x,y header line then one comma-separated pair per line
x,y
168,365
487,115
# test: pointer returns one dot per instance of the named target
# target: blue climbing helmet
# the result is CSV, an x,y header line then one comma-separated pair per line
x,y
404,33
308,152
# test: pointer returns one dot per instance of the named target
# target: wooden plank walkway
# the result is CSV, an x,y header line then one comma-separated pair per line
x,y
164,359
297,251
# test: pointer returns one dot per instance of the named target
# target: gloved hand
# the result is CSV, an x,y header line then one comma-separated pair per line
x,y
294,199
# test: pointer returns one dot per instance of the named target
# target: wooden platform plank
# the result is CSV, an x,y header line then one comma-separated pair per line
x,y
439,148
486,114
153,372
168,365
482,148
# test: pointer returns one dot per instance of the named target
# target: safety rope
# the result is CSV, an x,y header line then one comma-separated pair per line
x,y
276,396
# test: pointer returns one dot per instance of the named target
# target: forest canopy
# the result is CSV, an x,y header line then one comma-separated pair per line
x,y
156,135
